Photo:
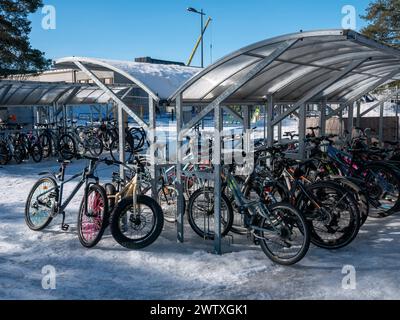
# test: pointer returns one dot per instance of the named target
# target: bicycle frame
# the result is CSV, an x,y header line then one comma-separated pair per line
x,y
86,176
243,203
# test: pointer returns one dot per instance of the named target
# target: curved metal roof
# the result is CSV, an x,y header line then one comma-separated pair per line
x,y
158,80
33,93
311,60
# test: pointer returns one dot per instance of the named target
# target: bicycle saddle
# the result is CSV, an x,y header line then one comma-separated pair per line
x,y
65,162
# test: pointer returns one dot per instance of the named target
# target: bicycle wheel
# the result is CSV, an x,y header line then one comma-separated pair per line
x,y
95,146
107,138
201,213
4,154
359,195
46,144
285,236
40,204
19,153
115,154
137,139
335,221
168,200
137,227
36,153
67,147
383,187
91,224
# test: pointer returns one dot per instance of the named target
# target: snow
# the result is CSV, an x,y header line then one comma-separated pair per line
x,y
161,79
168,270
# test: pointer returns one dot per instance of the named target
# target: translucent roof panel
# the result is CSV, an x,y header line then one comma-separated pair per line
x,y
32,93
158,80
311,59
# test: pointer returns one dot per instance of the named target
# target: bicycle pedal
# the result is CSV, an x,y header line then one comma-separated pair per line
x,y
256,241
65,227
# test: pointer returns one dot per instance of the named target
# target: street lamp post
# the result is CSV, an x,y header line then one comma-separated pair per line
x,y
202,14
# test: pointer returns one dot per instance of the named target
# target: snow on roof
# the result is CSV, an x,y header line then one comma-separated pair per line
x,y
159,80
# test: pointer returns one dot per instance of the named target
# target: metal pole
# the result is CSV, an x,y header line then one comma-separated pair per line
x,y
121,132
397,121
302,130
280,108
246,117
323,117
64,110
350,119
358,123
265,123
181,199
341,131
152,138
270,127
381,123
217,179
202,38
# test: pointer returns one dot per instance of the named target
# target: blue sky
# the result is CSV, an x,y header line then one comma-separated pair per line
x,y
125,29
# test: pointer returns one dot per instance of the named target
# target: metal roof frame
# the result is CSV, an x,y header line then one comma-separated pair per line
x,y
331,51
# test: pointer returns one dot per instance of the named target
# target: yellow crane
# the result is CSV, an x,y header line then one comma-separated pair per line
x,y
198,42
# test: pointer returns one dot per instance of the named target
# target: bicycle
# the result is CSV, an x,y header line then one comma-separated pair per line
x,y
280,230
56,142
31,145
136,219
45,202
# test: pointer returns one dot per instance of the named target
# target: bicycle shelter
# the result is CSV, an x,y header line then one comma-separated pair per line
x,y
134,84
285,75
333,69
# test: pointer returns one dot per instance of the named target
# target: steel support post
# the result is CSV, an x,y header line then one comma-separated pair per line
x,y
179,185
121,132
302,131
265,122
381,123
270,126
64,112
358,121
341,127
152,138
246,117
218,118
350,119
280,108
322,119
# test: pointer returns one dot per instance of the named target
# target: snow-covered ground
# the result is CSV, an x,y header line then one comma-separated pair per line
x,y
168,270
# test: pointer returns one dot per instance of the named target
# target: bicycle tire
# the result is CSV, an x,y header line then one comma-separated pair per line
x,y
295,218
52,184
226,222
67,147
119,212
101,204
36,153
395,176
319,228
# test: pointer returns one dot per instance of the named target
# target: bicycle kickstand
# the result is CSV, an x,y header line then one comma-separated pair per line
x,y
64,226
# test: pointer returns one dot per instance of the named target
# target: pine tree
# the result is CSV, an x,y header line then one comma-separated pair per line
x,y
383,17
16,54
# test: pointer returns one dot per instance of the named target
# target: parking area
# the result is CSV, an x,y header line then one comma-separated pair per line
x,y
168,270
